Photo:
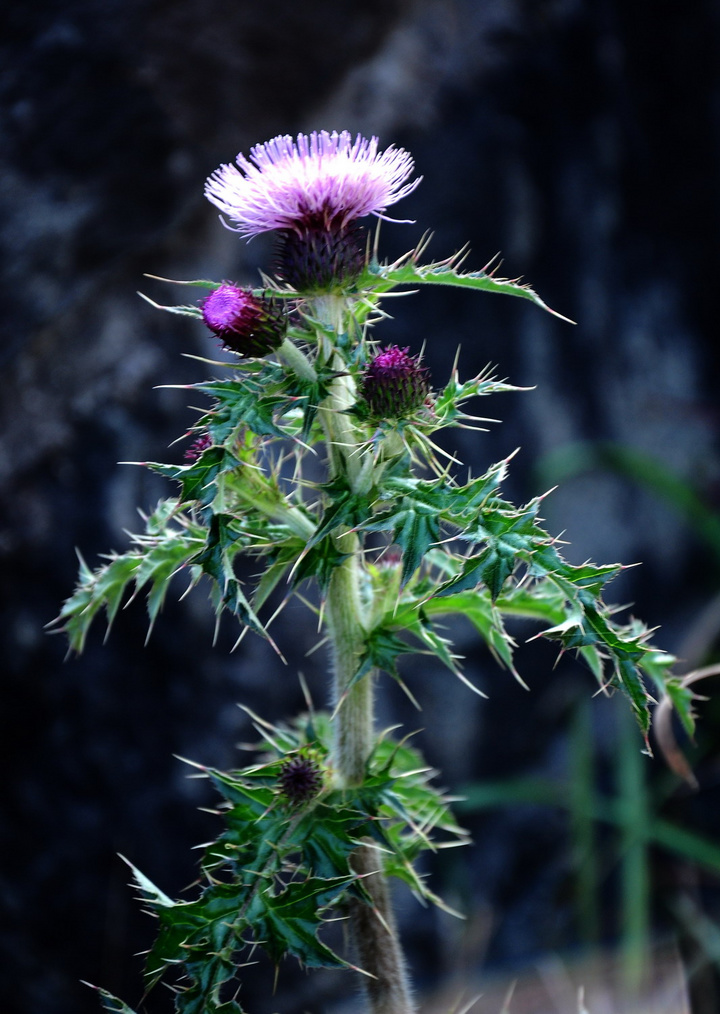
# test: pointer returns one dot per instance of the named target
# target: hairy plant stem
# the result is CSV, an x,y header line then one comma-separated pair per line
x,y
353,701
291,356
373,925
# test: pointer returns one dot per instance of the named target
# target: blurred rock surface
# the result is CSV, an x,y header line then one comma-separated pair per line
x,y
581,140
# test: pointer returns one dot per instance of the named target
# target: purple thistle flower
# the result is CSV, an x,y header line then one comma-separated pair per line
x,y
301,779
250,325
197,447
390,558
394,384
324,180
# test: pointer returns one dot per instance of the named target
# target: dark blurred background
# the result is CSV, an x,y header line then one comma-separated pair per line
x,y
580,139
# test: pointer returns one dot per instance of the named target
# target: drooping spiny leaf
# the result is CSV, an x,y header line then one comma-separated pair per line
x,y
167,546
484,614
288,922
248,401
198,480
319,561
517,566
417,507
384,278
201,937
110,1003
415,525
216,560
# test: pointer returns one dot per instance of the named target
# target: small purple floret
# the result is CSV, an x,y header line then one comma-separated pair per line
x,y
395,384
197,447
248,324
226,308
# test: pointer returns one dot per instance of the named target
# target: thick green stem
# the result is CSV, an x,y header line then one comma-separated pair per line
x,y
353,701
296,360
377,941
373,925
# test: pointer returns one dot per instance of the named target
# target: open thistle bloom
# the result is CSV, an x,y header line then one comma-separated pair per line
x,y
248,324
313,190
394,384
319,180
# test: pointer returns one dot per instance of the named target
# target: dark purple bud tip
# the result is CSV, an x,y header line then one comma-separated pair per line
x,y
395,384
247,324
197,447
390,558
320,257
301,779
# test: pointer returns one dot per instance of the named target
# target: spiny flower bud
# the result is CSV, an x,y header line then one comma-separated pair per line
x,y
395,384
301,779
247,324
316,258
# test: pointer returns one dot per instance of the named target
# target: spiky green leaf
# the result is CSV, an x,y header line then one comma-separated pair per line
x,y
384,278
110,1003
168,545
199,480
319,561
415,526
484,614
216,560
287,923
250,400
345,508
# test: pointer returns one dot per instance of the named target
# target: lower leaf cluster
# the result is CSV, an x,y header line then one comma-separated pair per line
x,y
278,871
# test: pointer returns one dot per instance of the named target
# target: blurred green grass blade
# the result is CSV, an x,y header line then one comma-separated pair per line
x,y
486,795
634,859
688,844
582,825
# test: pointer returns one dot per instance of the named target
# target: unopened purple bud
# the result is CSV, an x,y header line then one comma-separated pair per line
x,y
395,384
301,779
247,324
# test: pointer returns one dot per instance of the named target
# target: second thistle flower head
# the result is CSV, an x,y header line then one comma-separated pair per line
x,y
313,190
395,384
248,324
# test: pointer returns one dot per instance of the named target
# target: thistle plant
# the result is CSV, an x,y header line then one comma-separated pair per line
x,y
394,537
